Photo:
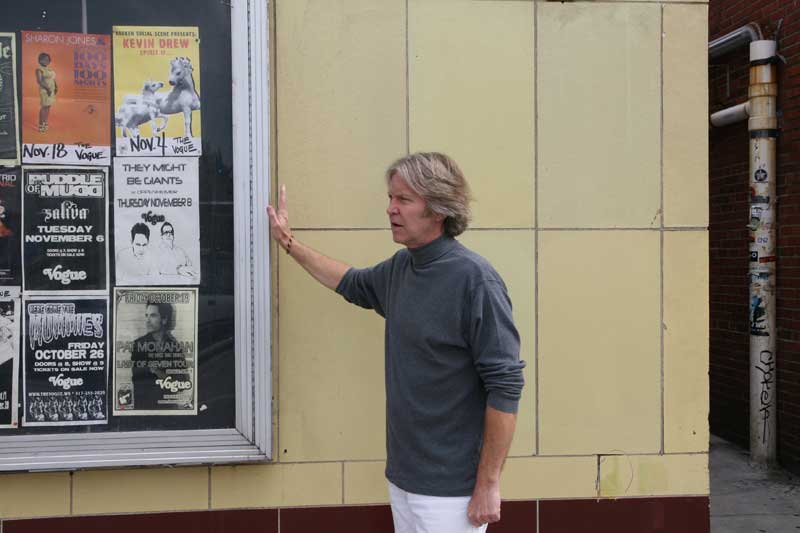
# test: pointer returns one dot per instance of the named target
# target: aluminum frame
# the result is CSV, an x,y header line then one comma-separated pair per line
x,y
251,439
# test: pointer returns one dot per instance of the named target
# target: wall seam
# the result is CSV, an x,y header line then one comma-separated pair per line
x,y
209,489
661,228
522,228
343,498
597,477
642,2
275,356
536,380
71,494
538,456
408,85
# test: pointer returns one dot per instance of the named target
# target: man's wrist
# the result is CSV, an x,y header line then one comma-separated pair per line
x,y
487,481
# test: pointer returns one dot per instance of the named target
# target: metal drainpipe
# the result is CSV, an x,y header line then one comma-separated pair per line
x,y
763,126
734,39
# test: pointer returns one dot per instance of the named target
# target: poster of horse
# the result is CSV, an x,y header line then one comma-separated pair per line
x,y
66,98
157,91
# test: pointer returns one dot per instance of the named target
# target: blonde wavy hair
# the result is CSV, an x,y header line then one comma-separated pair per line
x,y
440,182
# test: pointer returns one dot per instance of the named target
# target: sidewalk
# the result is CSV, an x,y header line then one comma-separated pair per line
x,y
747,500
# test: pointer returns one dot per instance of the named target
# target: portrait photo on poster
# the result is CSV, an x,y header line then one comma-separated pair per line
x,y
66,98
9,107
9,356
156,221
10,226
157,91
65,361
65,223
155,351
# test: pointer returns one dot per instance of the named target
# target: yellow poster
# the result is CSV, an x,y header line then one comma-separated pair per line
x,y
157,95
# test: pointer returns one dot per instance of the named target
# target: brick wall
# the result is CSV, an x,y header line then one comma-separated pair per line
x,y
728,197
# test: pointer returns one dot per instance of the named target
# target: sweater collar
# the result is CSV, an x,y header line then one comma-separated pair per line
x,y
433,250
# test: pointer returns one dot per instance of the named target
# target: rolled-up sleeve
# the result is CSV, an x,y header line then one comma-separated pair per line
x,y
494,341
366,287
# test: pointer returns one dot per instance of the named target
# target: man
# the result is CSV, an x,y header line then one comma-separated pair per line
x,y
453,374
155,356
173,260
135,262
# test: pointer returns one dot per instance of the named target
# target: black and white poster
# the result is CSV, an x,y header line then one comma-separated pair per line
x,y
155,351
65,362
9,355
156,221
65,224
9,109
10,218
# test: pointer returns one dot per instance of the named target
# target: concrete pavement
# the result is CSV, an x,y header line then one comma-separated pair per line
x,y
745,499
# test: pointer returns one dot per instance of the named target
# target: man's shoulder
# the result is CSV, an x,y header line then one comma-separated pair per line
x,y
470,263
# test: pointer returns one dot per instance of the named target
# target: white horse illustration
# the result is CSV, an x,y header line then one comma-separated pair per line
x,y
138,109
183,97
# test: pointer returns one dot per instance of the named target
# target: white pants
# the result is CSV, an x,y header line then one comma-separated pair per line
x,y
415,513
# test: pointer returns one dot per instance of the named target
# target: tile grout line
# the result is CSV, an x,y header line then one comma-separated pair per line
x,y
408,86
275,355
541,456
661,232
527,228
597,476
536,233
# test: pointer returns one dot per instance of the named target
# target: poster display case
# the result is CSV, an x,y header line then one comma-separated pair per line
x,y
134,252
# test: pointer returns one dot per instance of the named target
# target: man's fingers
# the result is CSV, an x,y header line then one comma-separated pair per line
x,y
282,200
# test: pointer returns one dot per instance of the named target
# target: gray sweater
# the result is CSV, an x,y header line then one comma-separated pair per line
x,y
451,350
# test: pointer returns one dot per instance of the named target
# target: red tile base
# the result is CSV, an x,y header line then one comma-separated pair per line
x,y
640,515
250,521
632,515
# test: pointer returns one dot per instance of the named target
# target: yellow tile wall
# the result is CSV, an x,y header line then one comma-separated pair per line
x,y
330,386
685,116
341,106
598,111
630,475
365,483
686,341
526,478
465,102
34,495
599,342
555,112
276,485
140,490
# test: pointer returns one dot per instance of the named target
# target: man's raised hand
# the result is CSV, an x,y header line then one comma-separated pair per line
x,y
279,220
